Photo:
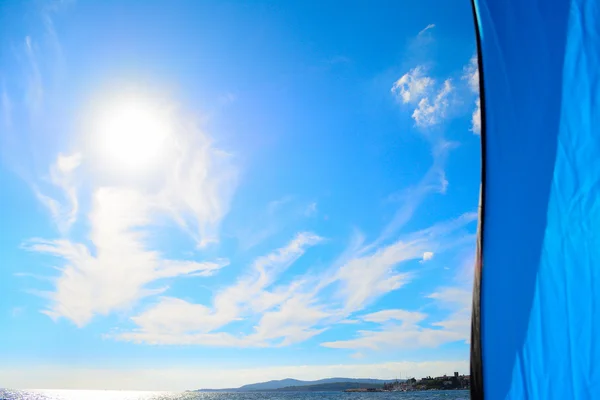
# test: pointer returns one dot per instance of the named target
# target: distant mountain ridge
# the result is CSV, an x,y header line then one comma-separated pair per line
x,y
290,384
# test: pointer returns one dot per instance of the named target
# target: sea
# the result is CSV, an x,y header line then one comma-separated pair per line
x,y
133,395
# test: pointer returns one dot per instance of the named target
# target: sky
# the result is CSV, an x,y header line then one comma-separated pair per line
x,y
209,194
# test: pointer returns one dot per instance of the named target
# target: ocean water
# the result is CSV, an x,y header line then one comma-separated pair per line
x,y
131,395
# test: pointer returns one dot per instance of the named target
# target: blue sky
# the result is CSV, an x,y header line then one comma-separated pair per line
x,y
208,194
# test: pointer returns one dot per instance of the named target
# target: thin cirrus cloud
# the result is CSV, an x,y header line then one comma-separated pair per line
x,y
35,88
428,27
174,321
403,336
301,309
397,314
404,329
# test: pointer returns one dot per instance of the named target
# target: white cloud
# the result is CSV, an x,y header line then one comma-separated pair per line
x,y
453,296
198,187
248,292
190,377
364,278
434,181
175,321
216,339
428,255
428,27
405,336
458,301
476,118
396,314
194,189
429,113
86,285
471,75
276,205
292,322
413,85
298,310
62,176
409,333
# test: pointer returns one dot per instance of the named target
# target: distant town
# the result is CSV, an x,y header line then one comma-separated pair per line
x,y
455,382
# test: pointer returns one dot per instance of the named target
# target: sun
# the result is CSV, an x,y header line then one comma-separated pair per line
x,y
131,132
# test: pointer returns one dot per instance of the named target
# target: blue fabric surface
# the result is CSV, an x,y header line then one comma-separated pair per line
x,y
540,300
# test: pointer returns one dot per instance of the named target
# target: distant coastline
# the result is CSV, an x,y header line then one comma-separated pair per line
x,y
295,385
454,382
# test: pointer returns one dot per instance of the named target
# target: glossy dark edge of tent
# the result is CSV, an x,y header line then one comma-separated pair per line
x,y
477,387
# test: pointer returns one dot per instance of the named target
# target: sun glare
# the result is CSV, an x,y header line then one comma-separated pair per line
x,y
131,132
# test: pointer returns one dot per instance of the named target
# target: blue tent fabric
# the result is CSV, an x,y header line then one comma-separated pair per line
x,y
537,297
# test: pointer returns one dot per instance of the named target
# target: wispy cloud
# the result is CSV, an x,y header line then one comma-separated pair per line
x,y
35,88
198,187
300,309
471,75
311,209
412,86
62,176
396,314
194,190
280,213
476,118
458,300
366,277
408,333
404,336
86,285
349,321
428,27
175,321
434,181
432,112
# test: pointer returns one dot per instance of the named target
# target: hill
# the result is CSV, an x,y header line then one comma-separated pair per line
x,y
298,385
330,387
